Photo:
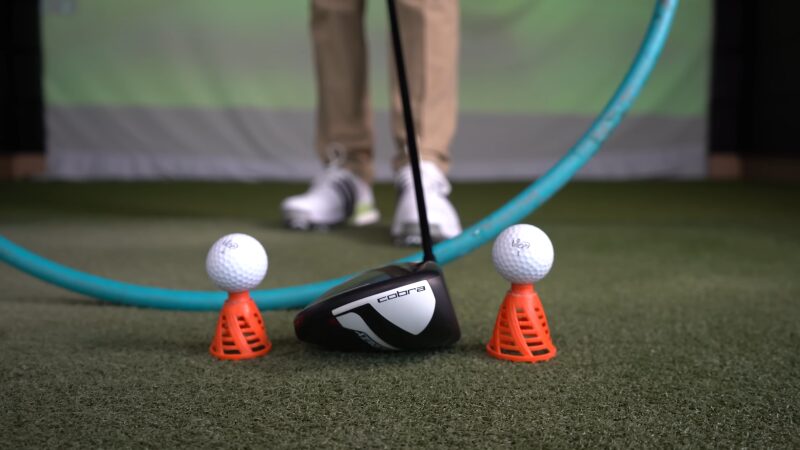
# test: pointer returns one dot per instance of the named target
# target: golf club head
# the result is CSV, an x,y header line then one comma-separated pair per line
x,y
396,307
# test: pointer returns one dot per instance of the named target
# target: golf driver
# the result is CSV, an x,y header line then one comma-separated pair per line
x,y
397,307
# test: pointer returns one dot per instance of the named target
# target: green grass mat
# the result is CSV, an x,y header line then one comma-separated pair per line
x,y
675,309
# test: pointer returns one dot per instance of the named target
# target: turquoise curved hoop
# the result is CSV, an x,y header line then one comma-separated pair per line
x,y
523,204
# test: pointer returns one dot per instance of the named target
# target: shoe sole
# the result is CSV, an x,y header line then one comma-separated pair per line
x,y
365,218
410,236
299,220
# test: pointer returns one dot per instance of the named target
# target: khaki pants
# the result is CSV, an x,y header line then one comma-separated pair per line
x,y
430,34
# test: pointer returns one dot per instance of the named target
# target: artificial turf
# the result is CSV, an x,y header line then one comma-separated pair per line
x,y
675,308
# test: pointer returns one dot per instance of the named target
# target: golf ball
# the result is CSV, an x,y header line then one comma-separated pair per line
x,y
522,254
236,263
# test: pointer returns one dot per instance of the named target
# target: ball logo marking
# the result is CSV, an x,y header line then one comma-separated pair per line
x,y
520,245
229,244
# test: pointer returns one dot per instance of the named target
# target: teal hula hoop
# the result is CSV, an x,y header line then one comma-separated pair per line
x,y
523,204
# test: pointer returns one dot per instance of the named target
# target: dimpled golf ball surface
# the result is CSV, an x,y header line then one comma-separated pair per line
x,y
236,263
522,254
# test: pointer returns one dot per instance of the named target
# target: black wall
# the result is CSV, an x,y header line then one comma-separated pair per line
x,y
21,111
756,78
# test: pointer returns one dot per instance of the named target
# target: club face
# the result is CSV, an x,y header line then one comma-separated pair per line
x,y
396,307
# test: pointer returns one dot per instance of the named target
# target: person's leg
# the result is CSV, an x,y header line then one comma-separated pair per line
x,y
430,36
344,118
344,127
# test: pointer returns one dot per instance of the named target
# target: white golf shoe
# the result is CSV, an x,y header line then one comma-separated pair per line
x,y
442,216
335,196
